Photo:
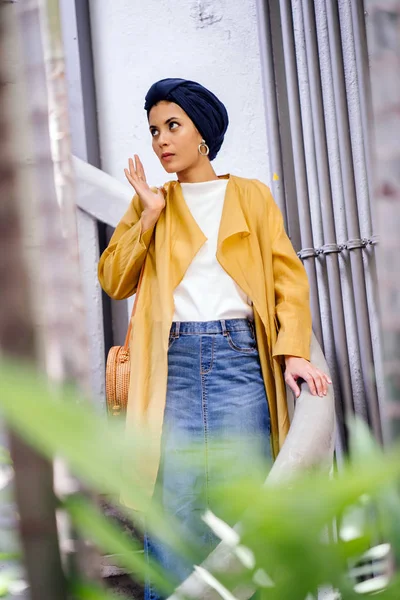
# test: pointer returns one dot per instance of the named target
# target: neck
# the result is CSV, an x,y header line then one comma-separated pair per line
x,y
197,173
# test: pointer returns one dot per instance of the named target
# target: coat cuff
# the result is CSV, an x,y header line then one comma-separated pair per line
x,y
145,236
292,345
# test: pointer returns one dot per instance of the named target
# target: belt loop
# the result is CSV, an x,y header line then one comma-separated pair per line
x,y
177,326
223,327
252,327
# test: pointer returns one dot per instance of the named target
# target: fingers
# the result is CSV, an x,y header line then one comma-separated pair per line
x,y
140,168
136,169
318,382
132,169
292,384
311,384
130,178
135,173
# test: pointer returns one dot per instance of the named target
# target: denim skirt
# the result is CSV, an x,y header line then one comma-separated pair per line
x,y
216,423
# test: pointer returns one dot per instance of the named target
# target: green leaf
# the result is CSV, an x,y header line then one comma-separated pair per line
x,y
89,591
5,458
283,526
362,442
107,536
9,556
58,420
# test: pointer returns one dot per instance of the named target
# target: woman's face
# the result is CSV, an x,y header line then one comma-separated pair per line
x,y
175,137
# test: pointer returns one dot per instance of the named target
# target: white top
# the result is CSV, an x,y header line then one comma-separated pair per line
x,y
207,292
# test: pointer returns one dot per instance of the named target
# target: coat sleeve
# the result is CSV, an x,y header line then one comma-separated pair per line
x,y
292,295
120,264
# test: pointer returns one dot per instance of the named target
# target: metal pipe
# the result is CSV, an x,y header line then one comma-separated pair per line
x,y
364,82
306,118
312,181
356,259
299,159
353,95
328,222
270,103
332,141
293,225
360,113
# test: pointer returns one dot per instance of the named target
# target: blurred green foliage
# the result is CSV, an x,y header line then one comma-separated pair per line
x,y
294,540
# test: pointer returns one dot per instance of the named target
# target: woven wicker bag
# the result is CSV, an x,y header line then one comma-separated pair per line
x,y
118,370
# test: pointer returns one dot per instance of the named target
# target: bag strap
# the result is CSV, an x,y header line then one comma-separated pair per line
x,y
128,333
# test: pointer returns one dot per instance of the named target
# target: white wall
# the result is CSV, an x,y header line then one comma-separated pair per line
x,y
211,41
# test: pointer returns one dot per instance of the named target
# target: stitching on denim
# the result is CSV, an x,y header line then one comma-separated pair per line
x,y
212,358
171,341
253,329
241,350
213,332
204,406
150,589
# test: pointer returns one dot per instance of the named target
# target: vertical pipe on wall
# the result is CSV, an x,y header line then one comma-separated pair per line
x,y
356,259
336,185
354,110
355,51
285,135
312,180
363,75
270,103
326,200
299,159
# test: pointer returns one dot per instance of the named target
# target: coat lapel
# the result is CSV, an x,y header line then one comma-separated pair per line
x,y
233,222
186,237
238,251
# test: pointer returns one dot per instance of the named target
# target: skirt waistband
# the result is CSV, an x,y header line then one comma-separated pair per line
x,y
210,327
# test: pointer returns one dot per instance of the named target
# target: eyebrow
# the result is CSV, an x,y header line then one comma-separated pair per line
x,y
166,122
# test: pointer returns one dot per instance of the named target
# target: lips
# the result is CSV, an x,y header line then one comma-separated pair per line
x,y
167,155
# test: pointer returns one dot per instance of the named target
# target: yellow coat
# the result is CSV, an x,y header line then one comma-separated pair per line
x,y
254,250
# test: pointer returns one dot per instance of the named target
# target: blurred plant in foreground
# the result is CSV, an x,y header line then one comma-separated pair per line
x,y
283,541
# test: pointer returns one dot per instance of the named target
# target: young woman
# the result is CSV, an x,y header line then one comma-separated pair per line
x,y
223,307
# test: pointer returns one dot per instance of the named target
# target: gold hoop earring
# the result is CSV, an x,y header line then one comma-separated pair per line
x,y
202,146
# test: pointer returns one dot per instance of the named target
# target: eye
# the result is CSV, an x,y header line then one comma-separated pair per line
x,y
173,123
153,132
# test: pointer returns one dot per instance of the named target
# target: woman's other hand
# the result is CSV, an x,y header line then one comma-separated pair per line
x,y
300,368
152,203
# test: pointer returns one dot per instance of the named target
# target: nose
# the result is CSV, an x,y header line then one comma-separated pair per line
x,y
162,139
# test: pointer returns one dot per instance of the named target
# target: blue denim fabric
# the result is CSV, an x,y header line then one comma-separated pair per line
x,y
216,408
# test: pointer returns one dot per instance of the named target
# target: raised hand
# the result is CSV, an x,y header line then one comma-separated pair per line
x,y
152,202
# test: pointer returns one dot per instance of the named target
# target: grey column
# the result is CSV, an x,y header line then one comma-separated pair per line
x,y
84,137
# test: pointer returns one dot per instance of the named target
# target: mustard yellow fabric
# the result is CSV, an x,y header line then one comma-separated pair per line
x,y
254,250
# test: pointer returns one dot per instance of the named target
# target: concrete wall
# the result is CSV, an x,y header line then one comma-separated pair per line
x,y
212,41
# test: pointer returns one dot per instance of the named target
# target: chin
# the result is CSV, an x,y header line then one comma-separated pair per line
x,y
169,169
175,167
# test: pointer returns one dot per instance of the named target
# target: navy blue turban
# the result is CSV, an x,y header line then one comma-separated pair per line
x,y
205,110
